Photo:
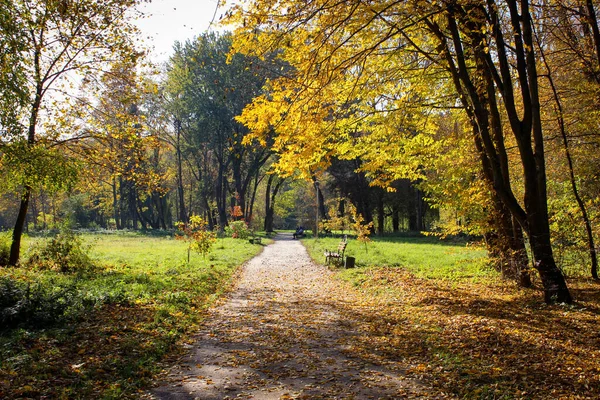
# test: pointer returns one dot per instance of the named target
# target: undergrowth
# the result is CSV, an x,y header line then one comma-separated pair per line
x,y
94,316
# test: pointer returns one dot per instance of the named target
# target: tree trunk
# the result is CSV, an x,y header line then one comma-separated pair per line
x,y
133,212
553,281
419,210
525,123
180,193
240,190
163,212
122,201
322,210
380,213
209,212
250,210
593,23
395,218
116,204
15,248
536,204
268,225
221,194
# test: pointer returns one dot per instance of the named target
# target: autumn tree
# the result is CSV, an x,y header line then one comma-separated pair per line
x,y
568,39
368,76
274,184
122,152
59,39
206,92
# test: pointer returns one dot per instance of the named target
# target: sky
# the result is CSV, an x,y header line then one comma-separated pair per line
x,y
175,20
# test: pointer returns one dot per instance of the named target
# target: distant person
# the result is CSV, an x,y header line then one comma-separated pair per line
x,y
299,232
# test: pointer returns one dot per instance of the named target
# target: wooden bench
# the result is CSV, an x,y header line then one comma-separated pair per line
x,y
337,255
255,239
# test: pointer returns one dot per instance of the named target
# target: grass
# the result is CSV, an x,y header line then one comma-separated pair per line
x,y
425,257
124,316
463,330
455,324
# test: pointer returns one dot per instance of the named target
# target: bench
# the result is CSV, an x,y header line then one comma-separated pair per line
x,y
338,255
255,239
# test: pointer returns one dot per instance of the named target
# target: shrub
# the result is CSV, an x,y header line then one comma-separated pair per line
x,y
197,234
63,253
36,306
238,230
5,241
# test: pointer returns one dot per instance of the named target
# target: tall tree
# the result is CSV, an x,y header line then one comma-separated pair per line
x,y
366,72
273,185
122,153
61,38
208,92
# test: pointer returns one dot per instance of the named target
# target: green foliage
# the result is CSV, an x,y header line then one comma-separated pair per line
x,y
5,241
63,253
37,167
46,221
35,306
12,75
237,230
197,234
77,211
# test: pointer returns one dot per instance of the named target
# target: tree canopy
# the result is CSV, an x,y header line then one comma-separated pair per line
x,y
48,44
455,116
370,80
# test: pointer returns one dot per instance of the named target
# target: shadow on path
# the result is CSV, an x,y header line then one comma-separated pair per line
x,y
287,332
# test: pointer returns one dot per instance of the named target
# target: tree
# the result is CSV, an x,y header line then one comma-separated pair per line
x,y
569,48
197,234
60,38
207,91
515,77
123,155
273,185
367,76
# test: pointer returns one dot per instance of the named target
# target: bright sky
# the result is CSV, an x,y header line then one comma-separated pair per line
x,y
175,20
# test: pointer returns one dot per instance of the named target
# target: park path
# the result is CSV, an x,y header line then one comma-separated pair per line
x,y
287,331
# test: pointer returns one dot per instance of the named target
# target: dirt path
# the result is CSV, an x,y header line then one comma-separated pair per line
x,y
287,331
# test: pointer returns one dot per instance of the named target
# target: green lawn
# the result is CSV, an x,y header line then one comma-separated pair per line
x,y
425,257
115,322
463,329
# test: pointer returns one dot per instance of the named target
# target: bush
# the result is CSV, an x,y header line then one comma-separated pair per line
x,y
63,253
35,306
237,230
5,241
197,234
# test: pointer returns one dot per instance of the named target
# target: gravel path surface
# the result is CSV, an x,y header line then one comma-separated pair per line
x,y
286,332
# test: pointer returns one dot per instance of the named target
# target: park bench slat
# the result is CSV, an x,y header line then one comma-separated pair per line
x,y
337,255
